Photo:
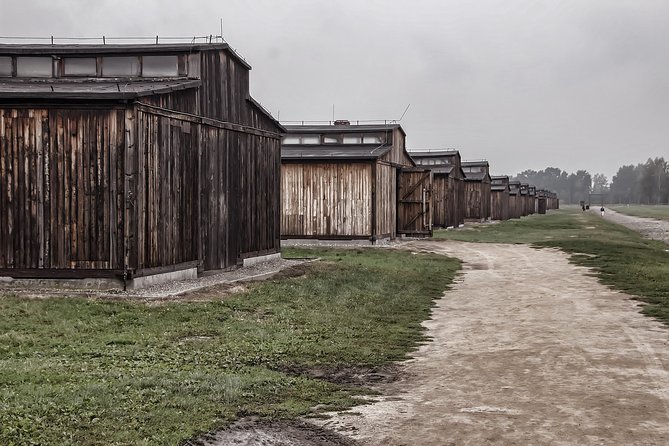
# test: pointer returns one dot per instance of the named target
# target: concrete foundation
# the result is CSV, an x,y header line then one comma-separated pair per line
x,y
156,279
9,283
262,259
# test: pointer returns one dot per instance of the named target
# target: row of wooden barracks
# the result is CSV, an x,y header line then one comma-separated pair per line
x,y
142,163
344,181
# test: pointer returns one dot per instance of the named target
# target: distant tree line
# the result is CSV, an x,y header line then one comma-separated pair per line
x,y
645,183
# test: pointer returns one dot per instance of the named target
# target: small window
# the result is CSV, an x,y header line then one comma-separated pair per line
x,y
34,67
351,139
5,67
79,66
291,139
120,66
159,66
371,139
315,139
330,140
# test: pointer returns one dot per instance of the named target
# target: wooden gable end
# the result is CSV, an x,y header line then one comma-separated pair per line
x,y
398,154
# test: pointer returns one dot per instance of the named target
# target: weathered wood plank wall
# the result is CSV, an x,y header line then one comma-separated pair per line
x,y
103,188
326,199
499,204
414,204
477,200
62,186
459,202
220,189
386,201
440,200
447,211
167,191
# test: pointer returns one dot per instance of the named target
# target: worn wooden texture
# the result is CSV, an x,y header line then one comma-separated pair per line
x,y
447,200
326,199
477,200
386,201
186,101
515,203
93,188
167,191
499,204
440,200
398,155
414,204
459,201
225,87
60,175
212,192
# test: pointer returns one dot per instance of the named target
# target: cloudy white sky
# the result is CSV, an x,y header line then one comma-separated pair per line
x,y
524,83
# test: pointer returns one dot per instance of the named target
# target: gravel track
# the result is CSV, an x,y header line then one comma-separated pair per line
x,y
526,349
648,227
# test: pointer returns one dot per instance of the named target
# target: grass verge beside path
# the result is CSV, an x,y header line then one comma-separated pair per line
x,y
660,212
624,260
83,372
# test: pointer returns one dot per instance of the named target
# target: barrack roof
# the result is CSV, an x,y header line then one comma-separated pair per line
x,y
425,153
309,128
10,49
475,163
326,152
88,89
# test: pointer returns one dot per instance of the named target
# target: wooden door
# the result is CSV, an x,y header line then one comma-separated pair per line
x,y
414,202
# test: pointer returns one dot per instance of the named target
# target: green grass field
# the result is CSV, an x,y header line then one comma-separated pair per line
x,y
661,212
623,259
85,372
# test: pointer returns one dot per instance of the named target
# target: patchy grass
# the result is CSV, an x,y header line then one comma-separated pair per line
x,y
624,260
85,372
661,212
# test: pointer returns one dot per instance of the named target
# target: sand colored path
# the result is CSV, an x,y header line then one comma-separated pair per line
x,y
527,349
648,227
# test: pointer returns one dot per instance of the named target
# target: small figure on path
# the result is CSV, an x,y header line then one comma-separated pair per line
x,y
602,210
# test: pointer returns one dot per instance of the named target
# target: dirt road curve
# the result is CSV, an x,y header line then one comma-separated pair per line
x,y
648,227
528,350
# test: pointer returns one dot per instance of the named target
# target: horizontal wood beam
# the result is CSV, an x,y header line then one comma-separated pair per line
x,y
196,119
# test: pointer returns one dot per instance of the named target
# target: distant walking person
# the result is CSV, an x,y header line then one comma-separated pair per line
x,y
602,210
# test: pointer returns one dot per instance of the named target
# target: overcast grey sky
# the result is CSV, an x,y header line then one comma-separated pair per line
x,y
524,83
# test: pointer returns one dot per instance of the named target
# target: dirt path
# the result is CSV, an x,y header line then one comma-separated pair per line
x,y
648,227
527,349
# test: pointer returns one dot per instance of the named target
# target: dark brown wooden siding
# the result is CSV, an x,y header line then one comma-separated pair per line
x,y
448,198
459,201
185,101
167,191
499,204
515,206
477,200
440,200
62,188
81,187
414,204
215,191
225,88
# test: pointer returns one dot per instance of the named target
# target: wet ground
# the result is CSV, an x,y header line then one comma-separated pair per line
x,y
526,349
